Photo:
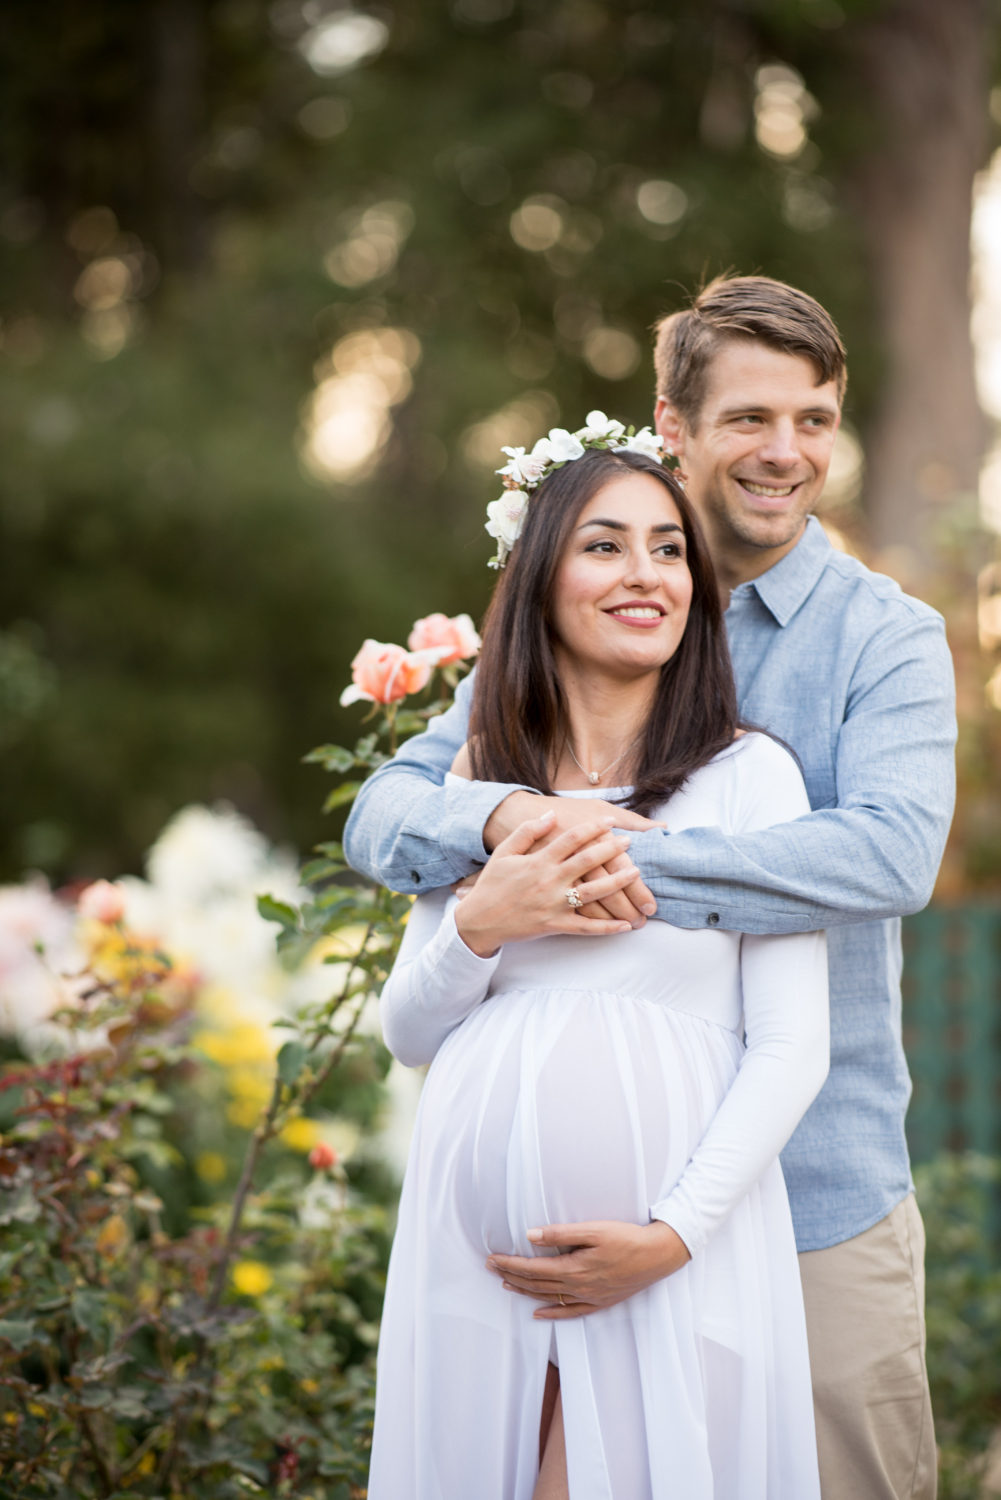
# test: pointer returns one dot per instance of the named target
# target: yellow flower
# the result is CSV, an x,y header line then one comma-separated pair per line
x,y
36,1410
210,1166
11,1418
311,1387
300,1134
251,1278
245,1042
112,1235
146,1464
249,1084
243,1113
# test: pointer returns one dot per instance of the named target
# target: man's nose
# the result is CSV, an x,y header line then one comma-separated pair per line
x,y
780,447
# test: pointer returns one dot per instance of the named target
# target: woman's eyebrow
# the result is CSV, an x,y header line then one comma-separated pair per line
x,y
621,525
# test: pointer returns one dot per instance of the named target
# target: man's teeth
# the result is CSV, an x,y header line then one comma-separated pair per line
x,y
773,492
639,612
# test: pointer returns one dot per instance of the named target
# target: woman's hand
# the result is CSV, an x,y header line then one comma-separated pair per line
x,y
604,1262
521,891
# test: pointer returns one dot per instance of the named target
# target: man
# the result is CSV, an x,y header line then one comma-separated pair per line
x,y
856,678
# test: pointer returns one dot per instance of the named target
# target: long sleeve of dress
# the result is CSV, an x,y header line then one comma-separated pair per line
x,y
436,981
784,986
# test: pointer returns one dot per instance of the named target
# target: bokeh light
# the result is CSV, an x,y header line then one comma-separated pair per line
x,y
347,420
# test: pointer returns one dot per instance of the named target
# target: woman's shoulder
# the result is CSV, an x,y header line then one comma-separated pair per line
x,y
765,782
751,778
753,752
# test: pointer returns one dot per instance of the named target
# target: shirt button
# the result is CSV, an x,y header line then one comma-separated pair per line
x,y
417,880
713,919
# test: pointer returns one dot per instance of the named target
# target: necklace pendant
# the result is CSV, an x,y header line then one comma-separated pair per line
x,y
594,777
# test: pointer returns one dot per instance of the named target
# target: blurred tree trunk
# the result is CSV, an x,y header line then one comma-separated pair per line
x,y
178,119
922,65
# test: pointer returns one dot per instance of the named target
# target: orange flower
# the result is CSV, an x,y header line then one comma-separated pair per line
x,y
322,1157
455,636
384,673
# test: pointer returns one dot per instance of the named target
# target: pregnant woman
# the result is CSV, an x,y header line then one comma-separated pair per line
x,y
600,1074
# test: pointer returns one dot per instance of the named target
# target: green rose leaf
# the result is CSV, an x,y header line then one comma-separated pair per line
x,y
341,794
291,1057
17,1332
277,911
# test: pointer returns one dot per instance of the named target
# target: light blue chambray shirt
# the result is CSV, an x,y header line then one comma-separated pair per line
x,y
856,677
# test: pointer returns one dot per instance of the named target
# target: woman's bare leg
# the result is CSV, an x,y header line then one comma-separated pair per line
x,y
552,1483
549,1395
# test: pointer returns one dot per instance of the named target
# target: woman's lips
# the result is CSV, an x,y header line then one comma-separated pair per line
x,y
643,616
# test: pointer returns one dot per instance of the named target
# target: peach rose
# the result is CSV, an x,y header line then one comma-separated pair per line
x,y
101,902
384,673
455,636
322,1157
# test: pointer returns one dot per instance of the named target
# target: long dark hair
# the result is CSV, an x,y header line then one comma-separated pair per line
x,y
519,718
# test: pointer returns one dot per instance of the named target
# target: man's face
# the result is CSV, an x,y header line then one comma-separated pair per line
x,y
759,452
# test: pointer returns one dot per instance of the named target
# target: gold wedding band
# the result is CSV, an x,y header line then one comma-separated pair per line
x,y
573,898
560,1298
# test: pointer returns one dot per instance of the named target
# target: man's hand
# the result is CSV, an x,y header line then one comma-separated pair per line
x,y
635,902
607,1261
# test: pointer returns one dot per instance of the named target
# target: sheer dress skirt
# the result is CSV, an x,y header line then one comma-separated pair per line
x,y
554,1105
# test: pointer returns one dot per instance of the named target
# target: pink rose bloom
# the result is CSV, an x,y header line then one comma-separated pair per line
x,y
456,637
101,902
384,673
322,1157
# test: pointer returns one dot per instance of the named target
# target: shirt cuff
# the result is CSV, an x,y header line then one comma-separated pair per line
x,y
469,806
679,1214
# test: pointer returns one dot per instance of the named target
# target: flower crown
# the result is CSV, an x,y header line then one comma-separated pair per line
x,y
524,472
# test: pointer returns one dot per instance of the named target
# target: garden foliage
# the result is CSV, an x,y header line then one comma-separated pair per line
x,y
154,1341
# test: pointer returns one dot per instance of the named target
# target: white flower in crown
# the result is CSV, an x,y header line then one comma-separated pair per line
x,y
505,518
523,469
560,447
524,472
600,428
646,442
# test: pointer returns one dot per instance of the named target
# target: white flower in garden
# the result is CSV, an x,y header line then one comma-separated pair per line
x,y
598,428
32,918
651,444
204,853
505,518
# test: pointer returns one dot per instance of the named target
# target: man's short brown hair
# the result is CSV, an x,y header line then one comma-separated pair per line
x,y
742,307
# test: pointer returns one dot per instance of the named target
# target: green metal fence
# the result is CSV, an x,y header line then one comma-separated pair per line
x,y
952,1029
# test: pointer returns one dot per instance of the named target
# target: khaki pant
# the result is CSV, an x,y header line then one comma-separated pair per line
x,y
865,1322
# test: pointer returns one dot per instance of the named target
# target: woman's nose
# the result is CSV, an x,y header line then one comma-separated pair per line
x,y
640,571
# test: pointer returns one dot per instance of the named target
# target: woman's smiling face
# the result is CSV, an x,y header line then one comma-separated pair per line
x,y
623,587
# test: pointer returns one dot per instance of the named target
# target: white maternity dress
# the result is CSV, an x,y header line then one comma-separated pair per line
x,y
606,1078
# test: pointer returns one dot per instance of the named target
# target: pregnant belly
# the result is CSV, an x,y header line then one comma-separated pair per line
x,y
562,1106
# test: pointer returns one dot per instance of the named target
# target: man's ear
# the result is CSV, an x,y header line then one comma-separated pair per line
x,y
670,426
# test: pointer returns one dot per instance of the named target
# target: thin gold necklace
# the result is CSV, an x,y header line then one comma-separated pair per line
x,y
595,776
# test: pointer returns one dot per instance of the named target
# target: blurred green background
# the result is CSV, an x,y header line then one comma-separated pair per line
x,y
277,280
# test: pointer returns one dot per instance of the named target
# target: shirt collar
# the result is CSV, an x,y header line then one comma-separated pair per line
x,y
785,587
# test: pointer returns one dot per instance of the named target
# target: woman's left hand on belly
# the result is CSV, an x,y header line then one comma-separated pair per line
x,y
605,1262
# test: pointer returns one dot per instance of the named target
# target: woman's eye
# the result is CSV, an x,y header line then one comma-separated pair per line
x,y
602,546
670,550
